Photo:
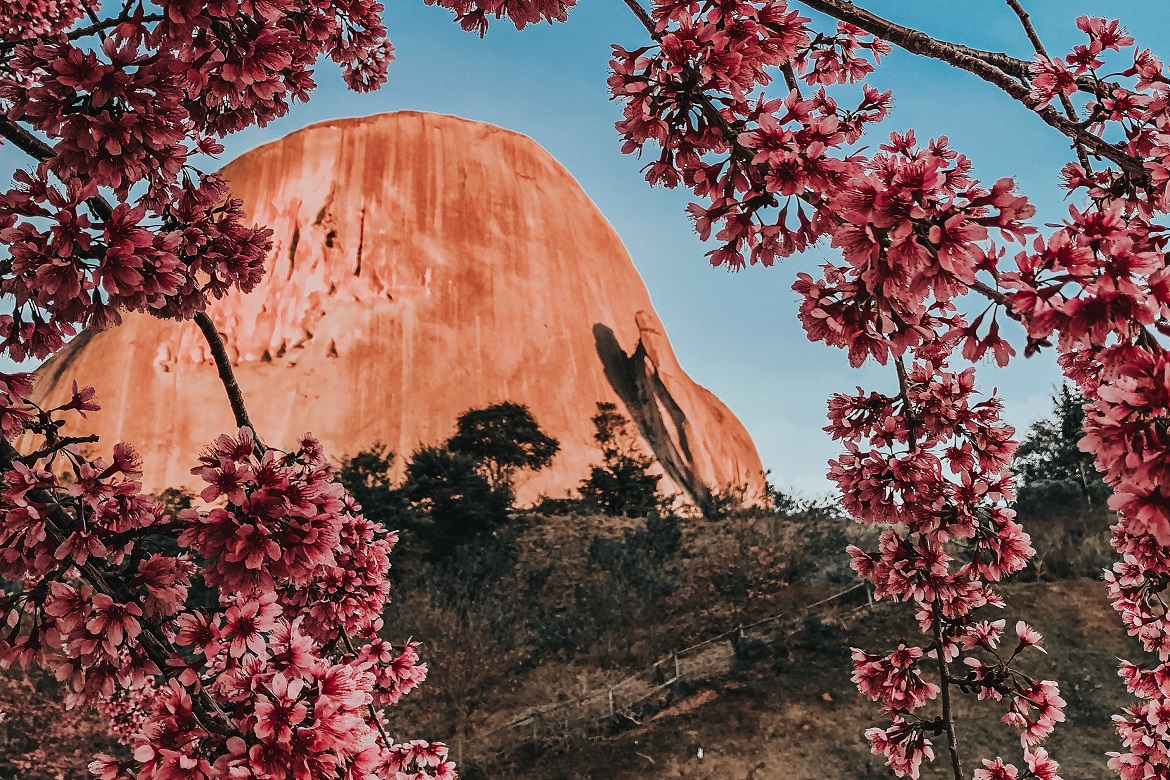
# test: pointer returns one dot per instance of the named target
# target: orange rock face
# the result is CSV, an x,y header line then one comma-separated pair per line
x,y
422,265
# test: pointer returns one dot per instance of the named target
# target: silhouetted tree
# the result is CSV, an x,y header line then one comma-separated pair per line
x,y
622,484
503,439
367,477
1051,468
457,501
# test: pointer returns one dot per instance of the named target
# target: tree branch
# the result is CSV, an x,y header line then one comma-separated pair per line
x,y
945,686
1069,110
908,408
993,67
34,147
57,446
227,374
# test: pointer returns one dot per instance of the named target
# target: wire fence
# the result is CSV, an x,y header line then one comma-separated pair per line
x,y
706,660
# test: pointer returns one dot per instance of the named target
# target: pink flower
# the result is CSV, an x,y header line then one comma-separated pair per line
x,y
117,622
1050,77
245,625
996,770
280,711
1040,765
1029,637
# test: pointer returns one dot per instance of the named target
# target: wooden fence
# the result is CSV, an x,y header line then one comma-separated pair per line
x,y
707,660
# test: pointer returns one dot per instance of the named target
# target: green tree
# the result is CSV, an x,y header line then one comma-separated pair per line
x,y
367,477
1051,468
622,484
503,439
455,502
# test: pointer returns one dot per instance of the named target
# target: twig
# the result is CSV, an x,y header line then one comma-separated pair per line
x,y
56,446
993,67
227,374
98,26
947,716
1069,110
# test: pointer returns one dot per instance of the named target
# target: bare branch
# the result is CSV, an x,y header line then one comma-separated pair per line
x,y
1069,110
1029,30
227,374
947,714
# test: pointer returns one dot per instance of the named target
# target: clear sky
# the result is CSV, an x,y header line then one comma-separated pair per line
x,y
737,334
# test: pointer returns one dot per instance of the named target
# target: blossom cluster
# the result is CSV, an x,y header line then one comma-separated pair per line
x,y
764,167
472,15
115,216
1099,288
929,464
243,637
269,664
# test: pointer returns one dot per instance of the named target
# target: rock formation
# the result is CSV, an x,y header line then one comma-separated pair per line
x,y
422,265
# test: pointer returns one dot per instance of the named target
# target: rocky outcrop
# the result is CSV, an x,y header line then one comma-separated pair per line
x,y
421,265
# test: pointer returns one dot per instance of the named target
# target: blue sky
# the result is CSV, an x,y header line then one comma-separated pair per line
x,y
737,334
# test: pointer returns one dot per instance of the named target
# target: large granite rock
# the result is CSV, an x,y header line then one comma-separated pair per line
x,y
421,265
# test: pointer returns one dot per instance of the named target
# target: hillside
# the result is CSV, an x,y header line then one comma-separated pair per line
x,y
558,610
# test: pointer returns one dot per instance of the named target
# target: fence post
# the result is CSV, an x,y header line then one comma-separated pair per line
x,y
741,630
676,672
534,730
868,596
611,703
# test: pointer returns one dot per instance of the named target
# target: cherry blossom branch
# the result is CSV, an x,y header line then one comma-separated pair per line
x,y
389,743
708,107
34,147
998,69
907,37
152,640
38,149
